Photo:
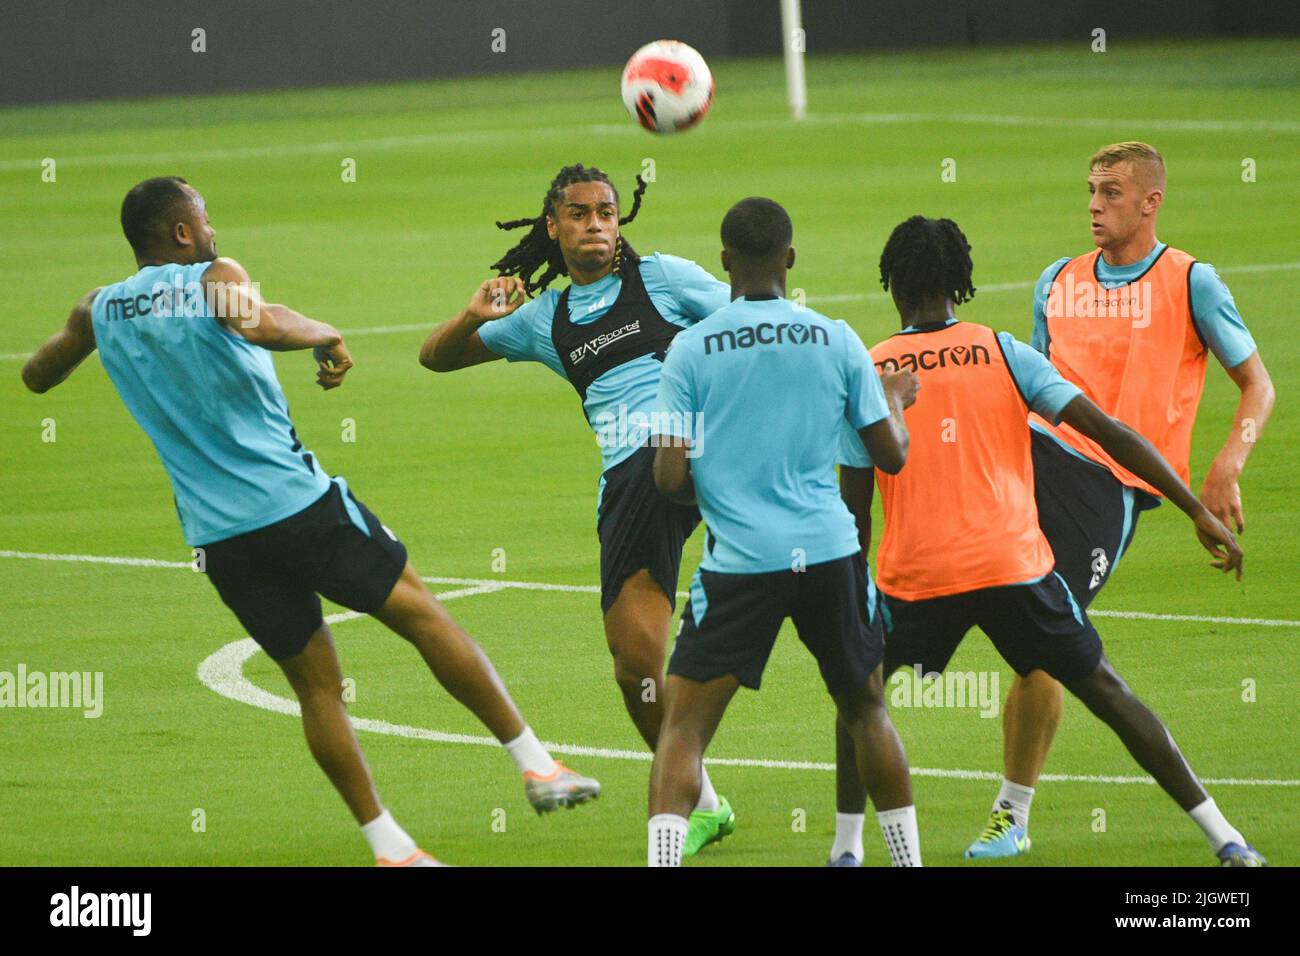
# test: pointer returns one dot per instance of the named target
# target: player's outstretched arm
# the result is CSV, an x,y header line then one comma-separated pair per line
x,y
672,470
237,303
1141,457
64,350
1220,492
456,344
886,441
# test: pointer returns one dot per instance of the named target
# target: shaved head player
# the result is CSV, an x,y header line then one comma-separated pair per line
x,y
187,342
781,542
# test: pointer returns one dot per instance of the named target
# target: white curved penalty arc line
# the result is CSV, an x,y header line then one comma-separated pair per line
x,y
223,672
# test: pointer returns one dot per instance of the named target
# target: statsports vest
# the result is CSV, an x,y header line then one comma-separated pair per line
x,y
630,329
960,516
1134,350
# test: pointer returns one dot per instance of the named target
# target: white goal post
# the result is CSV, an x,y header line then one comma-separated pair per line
x,y
792,42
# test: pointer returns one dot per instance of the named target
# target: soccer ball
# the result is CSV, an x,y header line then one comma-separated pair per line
x,y
667,86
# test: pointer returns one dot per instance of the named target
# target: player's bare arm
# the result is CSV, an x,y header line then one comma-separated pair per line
x,y
455,344
64,350
1220,493
1139,456
857,488
673,470
237,304
886,440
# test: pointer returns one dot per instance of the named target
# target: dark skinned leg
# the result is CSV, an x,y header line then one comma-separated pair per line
x,y
457,662
316,678
636,629
1105,694
692,713
874,752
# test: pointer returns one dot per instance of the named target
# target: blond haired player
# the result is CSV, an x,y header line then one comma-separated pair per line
x,y
1132,324
1148,369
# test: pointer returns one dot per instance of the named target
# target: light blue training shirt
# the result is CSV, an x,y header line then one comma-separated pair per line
x,y
208,400
761,389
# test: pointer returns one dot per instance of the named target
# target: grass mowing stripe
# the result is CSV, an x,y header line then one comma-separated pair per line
x,y
623,129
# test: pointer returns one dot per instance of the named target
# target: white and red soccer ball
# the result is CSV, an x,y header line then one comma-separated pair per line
x,y
667,86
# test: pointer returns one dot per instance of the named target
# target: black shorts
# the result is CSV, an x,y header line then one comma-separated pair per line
x,y
731,621
1033,626
1086,514
271,577
640,528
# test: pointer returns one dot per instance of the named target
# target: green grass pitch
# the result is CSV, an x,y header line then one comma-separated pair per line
x,y
499,458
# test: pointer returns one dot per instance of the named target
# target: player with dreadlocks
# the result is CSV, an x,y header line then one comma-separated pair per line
x,y
952,561
606,333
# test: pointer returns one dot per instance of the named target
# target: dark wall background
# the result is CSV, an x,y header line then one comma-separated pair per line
x,y
87,49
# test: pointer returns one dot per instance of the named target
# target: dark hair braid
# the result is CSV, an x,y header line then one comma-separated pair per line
x,y
926,259
537,249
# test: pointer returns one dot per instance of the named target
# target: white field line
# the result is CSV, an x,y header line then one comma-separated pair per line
x,y
488,585
223,672
832,298
627,129
94,559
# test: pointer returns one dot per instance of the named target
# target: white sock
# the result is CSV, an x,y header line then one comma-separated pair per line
x,y
1215,825
901,836
667,837
1017,799
848,835
387,839
528,754
708,796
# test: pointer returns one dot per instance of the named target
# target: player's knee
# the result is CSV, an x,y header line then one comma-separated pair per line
x,y
1037,683
316,687
416,616
1034,698
1102,690
862,706
638,657
640,674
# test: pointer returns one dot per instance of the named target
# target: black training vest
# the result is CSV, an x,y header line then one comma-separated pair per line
x,y
631,328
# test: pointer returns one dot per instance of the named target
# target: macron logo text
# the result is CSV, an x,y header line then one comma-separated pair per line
x,y
766,333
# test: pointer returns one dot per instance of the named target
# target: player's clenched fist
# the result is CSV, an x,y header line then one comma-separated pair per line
x,y
332,363
497,297
902,385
